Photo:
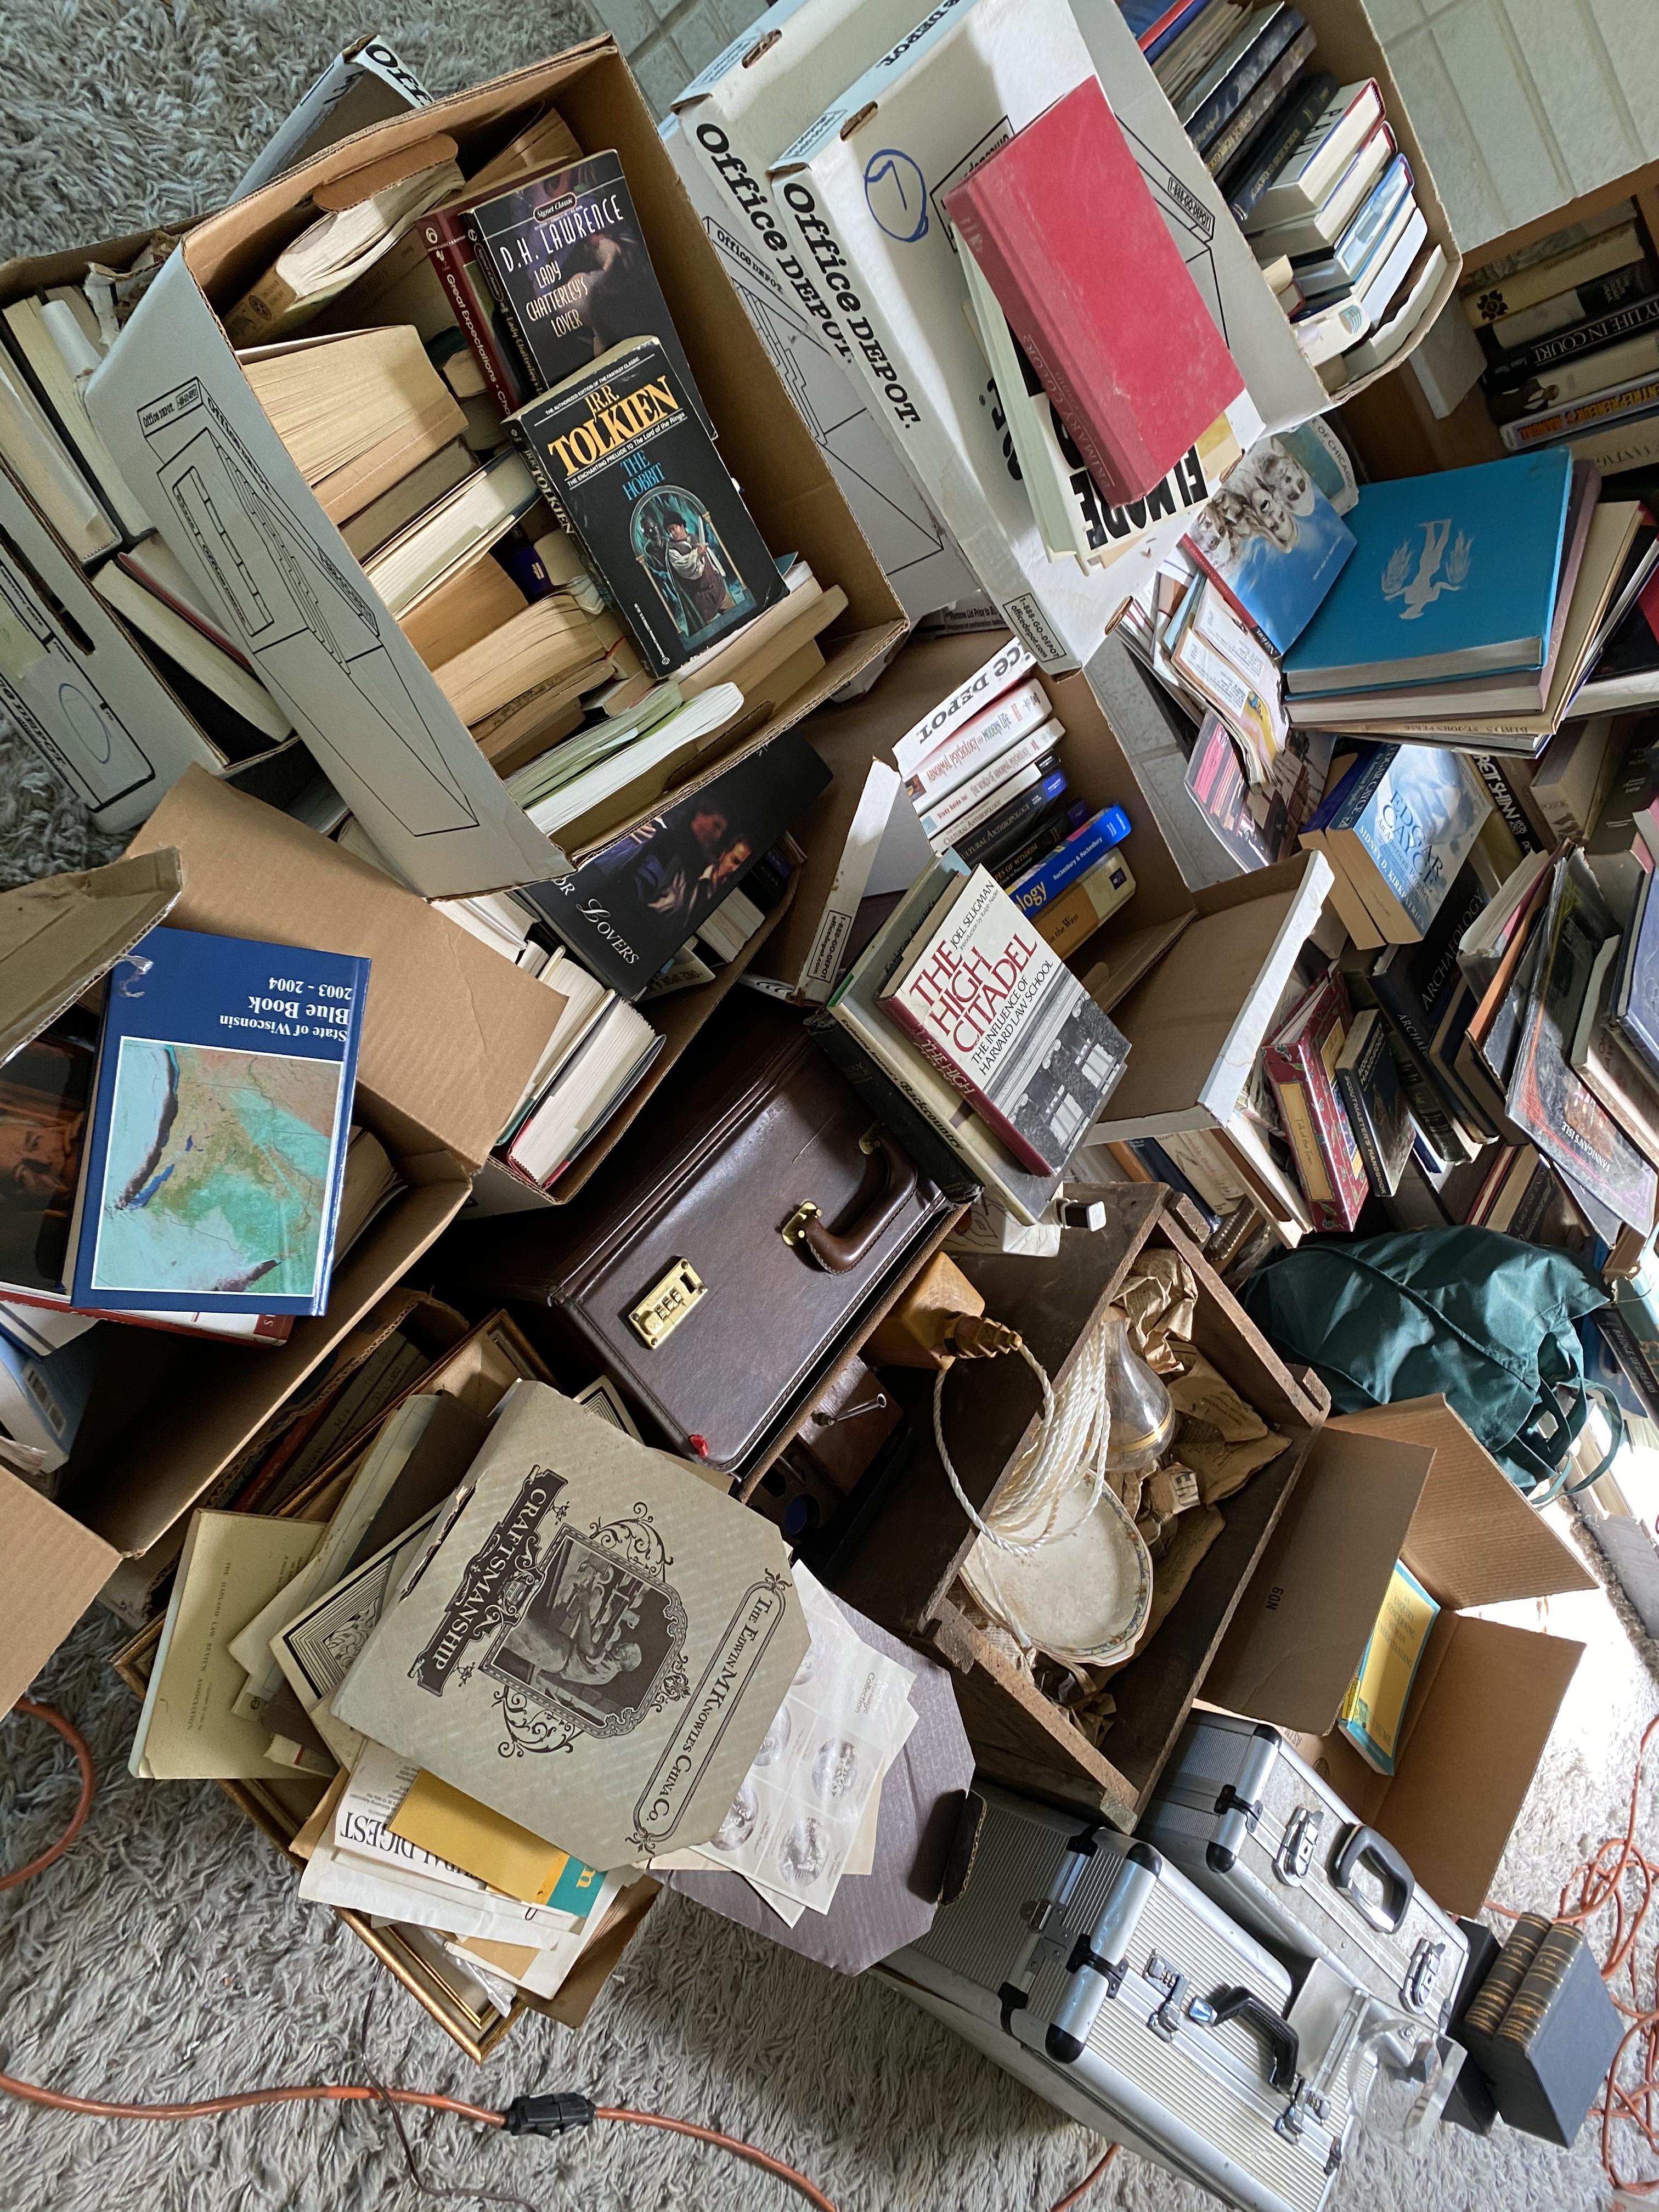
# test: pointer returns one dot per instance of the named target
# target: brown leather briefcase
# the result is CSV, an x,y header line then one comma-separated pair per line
x,y
730,1256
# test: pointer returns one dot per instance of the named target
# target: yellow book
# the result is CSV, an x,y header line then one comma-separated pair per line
x,y
456,1827
1374,1709
1064,922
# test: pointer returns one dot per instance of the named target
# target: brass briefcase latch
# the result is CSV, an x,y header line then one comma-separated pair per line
x,y
666,1304
795,1228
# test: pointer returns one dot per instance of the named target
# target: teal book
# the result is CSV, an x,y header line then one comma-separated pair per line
x,y
1453,575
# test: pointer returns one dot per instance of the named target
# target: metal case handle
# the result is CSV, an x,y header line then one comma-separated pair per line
x,y
1365,1847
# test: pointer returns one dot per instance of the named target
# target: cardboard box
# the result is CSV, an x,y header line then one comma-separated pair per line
x,y
904,1574
85,695
361,87
860,194
1410,1482
451,1034
730,121
179,415
478,1371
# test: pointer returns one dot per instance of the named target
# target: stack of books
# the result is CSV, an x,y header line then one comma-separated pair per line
x,y
1569,327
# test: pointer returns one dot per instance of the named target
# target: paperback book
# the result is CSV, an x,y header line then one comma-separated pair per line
x,y
624,457
1007,1023
1272,542
1298,1062
219,1126
627,910
568,260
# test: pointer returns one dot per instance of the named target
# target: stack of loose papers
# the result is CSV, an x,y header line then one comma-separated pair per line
x,y
805,1817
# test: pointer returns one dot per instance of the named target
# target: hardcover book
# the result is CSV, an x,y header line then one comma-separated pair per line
x,y
219,1126
623,456
1250,173
1271,544
1299,1063
1305,180
568,260
595,1648
1135,390
1560,2034
1085,848
1368,1085
1260,101
1007,1023
629,908
1547,1101
1453,575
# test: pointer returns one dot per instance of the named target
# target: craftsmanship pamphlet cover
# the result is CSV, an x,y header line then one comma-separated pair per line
x,y
597,1646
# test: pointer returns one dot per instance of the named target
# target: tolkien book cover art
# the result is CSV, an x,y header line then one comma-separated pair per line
x,y
624,457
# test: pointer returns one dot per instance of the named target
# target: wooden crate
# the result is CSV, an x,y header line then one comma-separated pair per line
x,y
905,1576
479,1371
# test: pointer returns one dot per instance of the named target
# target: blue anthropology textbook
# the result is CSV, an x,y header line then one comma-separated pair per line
x,y
1453,575
220,1121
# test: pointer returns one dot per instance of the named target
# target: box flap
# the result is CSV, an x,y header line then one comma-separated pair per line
x,y
1474,1539
1196,1023
452,1031
58,936
1477,1736
51,1569
1302,1625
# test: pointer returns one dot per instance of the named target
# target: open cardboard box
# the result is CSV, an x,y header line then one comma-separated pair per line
x,y
1410,1482
181,418
451,1034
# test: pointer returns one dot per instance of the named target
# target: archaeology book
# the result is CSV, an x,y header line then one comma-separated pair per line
x,y
621,453
598,1645
565,255
219,1121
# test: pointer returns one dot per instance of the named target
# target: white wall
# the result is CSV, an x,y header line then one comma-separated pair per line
x,y
1521,105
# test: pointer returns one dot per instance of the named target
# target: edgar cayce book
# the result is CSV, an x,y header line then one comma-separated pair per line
x,y
1272,542
219,1126
565,255
1547,1100
629,908
622,454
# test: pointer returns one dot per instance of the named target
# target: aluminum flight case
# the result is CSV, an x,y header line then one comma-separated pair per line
x,y
1252,1824
1096,1973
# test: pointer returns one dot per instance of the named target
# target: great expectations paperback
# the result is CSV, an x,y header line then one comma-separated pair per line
x,y
622,454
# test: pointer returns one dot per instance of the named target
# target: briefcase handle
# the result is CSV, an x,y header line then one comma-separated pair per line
x,y
1283,2042
1365,1847
841,1253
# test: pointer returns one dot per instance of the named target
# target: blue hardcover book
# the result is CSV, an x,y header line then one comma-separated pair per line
x,y
1075,858
1272,542
1342,268
1400,826
1453,574
219,1126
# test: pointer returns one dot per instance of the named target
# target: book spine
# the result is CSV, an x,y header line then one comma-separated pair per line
x,y
1351,1096
1598,296
1609,253
1618,1336
1592,376
1005,272
1292,193
1259,104
960,1078
1075,858
992,733
1521,364
519,436
1053,829
930,1150
1311,1166
1511,811
1585,414
486,261
1530,2005
994,836
956,805
1344,1167
1484,2015
1256,166
1619,445
1072,919
1225,101
452,253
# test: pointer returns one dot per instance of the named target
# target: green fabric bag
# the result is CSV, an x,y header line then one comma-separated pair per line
x,y
1483,1321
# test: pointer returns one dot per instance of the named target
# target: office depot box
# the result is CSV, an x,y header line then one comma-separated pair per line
x,y
478,1371
1410,1482
451,1034
860,195
904,1574
173,406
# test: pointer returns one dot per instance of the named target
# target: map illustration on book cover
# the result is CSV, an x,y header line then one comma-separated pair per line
x,y
565,257
629,908
623,456
219,1126
598,1645
45,1089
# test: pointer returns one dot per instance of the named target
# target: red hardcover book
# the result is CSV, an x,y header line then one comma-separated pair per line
x,y
1299,1064
452,253
1068,236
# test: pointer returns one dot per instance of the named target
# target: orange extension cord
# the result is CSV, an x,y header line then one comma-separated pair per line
x,y
1620,1879
356,2093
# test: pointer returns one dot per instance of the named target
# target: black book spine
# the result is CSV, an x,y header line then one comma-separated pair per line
x,y
1247,73
1518,366
1253,168
1240,127
1619,1339
1515,816
985,846
1350,1091
1600,296
923,1142
534,381
1047,837
519,437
